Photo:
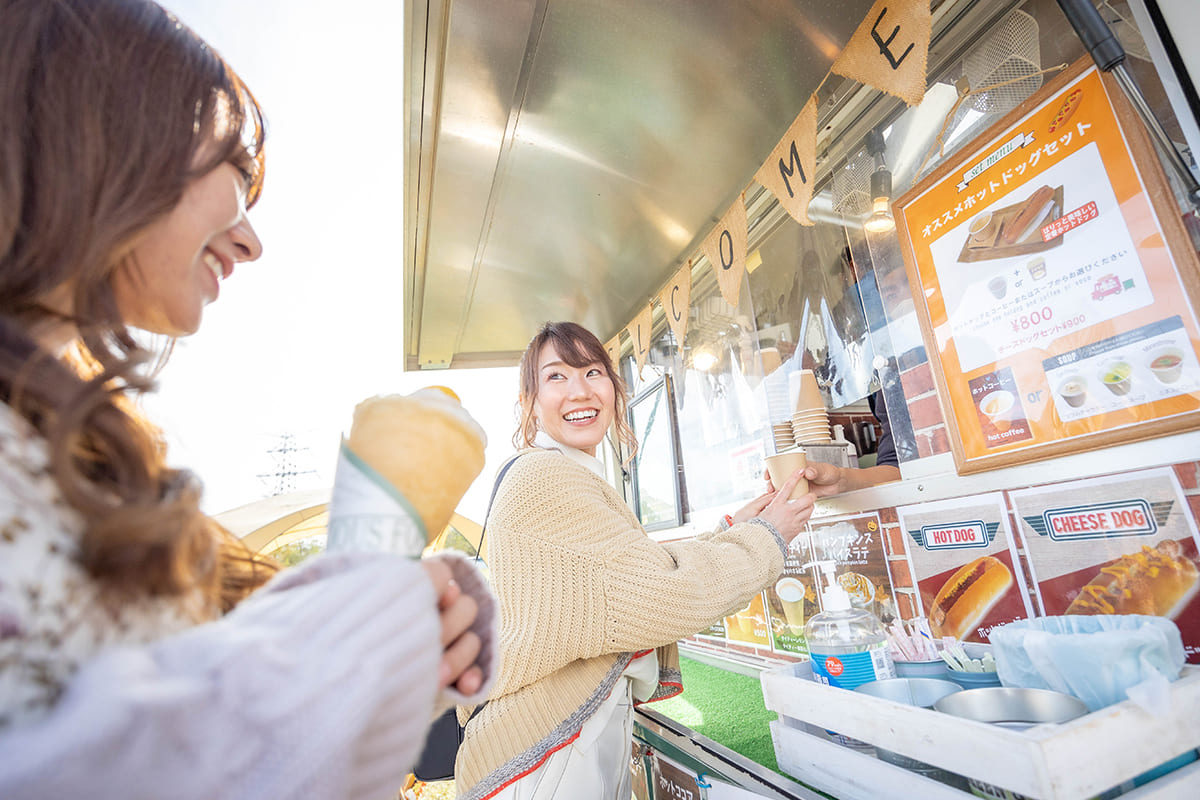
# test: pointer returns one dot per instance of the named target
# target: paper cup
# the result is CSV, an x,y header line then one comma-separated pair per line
x,y
997,407
782,465
1073,390
1115,377
790,592
1166,363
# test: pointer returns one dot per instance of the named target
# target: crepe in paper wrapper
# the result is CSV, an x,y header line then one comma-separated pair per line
x,y
402,471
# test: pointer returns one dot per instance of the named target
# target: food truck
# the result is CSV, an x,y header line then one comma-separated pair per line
x,y
979,216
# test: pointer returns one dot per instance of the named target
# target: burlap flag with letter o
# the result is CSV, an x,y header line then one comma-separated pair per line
x,y
890,48
725,249
674,301
790,169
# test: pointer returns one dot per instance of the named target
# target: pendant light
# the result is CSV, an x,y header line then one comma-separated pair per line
x,y
881,219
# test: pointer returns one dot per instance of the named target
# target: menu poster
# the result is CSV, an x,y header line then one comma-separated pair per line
x,y
673,782
714,631
791,600
856,545
749,625
637,768
1123,544
965,566
1057,280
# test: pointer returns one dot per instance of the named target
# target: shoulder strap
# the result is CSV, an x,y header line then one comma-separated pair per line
x,y
483,528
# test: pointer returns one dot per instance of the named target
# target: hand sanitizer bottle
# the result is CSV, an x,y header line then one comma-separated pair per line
x,y
848,645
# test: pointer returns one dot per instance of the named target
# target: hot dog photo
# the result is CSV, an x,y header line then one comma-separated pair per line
x,y
965,567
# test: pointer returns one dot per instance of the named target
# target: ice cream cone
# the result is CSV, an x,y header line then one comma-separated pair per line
x,y
402,471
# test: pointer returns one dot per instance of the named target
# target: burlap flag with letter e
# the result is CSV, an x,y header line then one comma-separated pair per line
x,y
639,331
890,48
725,249
674,300
789,171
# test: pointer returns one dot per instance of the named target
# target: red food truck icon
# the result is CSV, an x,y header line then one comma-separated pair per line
x,y
1109,284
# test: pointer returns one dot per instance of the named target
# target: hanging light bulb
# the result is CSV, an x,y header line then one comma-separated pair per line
x,y
881,219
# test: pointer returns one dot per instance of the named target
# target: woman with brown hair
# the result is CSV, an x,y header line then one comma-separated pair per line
x,y
143,651
590,606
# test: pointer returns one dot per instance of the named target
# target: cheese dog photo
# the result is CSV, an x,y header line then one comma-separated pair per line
x,y
968,595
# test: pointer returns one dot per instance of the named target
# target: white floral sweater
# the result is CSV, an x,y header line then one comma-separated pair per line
x,y
320,685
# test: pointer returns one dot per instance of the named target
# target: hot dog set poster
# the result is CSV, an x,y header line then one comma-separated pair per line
x,y
1053,297
1114,545
965,566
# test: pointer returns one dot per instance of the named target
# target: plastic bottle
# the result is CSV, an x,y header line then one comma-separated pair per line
x,y
848,646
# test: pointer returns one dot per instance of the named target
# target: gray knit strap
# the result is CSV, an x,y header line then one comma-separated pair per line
x,y
566,730
783,547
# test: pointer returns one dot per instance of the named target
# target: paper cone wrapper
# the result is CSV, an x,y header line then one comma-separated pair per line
x,y
401,473
367,513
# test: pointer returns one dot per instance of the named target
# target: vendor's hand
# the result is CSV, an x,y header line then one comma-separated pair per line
x,y
824,480
460,646
753,508
789,516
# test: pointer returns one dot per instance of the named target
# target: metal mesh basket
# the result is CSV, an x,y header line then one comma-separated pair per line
x,y
1009,53
852,186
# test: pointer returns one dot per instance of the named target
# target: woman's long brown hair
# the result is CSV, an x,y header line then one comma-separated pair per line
x,y
578,347
110,108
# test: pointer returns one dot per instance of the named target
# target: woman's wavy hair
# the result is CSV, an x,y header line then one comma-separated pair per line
x,y
578,347
110,109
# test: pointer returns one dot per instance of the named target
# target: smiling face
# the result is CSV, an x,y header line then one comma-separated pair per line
x,y
574,405
180,260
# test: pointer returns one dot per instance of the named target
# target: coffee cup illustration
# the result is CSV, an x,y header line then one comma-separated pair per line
x,y
982,228
1115,377
998,286
997,406
1166,363
1073,390
791,592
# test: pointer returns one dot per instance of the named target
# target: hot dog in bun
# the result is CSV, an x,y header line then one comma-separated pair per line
x,y
966,598
1159,581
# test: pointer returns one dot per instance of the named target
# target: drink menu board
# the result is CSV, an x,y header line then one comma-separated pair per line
x,y
1057,280
1121,544
856,545
965,565
792,600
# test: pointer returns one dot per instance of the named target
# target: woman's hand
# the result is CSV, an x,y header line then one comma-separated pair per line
x,y
754,508
788,516
460,647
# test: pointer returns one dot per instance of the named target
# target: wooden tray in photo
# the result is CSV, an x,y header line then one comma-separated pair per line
x,y
974,250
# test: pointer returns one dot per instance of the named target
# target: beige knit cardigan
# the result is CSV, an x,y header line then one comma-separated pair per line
x,y
582,589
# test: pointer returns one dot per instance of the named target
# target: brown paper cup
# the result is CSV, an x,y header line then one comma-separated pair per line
x,y
782,465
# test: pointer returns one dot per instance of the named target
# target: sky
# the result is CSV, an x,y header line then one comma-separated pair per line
x,y
299,337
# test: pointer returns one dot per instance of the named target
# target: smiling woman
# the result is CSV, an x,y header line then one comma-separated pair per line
x,y
591,607
141,646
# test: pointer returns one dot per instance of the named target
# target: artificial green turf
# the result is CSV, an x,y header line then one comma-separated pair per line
x,y
727,707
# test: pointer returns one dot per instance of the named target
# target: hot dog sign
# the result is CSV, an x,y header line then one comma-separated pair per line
x,y
964,565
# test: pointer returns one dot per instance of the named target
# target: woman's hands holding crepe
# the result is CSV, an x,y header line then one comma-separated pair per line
x,y
460,645
788,516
